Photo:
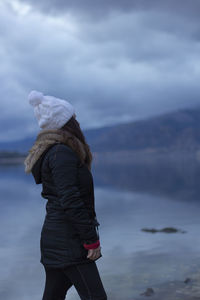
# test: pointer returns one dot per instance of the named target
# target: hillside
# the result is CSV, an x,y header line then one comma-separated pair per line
x,y
178,130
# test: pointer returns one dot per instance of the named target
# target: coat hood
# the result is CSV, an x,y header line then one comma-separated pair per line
x,y
44,141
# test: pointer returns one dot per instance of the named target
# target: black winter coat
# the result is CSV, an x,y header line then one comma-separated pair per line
x,y
70,219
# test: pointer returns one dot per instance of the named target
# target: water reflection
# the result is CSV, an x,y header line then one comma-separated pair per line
x,y
128,198
174,177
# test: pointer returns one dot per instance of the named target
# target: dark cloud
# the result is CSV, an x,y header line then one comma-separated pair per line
x,y
133,64
95,8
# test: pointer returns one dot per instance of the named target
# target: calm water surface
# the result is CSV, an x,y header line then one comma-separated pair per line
x,y
164,194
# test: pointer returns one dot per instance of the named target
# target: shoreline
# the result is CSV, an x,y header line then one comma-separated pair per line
x,y
12,160
123,157
188,289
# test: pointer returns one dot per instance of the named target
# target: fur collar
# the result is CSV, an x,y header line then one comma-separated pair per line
x,y
49,137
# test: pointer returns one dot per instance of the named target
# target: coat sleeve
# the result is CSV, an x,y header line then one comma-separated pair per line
x,y
63,164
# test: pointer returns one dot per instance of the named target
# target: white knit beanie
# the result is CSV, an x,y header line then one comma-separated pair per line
x,y
51,112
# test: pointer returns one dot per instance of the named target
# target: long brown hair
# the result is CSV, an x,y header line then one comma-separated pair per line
x,y
73,126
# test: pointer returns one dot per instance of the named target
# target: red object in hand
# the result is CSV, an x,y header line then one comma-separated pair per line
x,y
92,246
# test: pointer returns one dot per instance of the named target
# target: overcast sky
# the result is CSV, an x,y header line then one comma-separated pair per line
x,y
115,61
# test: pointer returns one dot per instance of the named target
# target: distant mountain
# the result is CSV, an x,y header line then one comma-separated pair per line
x,y
175,131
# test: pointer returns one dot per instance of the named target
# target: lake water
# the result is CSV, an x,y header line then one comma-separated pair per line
x,y
128,198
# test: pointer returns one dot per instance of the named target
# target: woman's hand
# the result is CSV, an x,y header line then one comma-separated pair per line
x,y
93,254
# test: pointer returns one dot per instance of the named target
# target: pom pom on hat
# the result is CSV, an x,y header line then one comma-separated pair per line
x,y
35,98
50,112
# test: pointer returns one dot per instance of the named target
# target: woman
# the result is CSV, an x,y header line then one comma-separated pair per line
x,y
60,160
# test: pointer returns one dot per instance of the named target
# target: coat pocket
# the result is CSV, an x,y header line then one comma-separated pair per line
x,y
77,249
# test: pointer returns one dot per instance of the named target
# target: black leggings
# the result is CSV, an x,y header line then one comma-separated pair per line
x,y
85,278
